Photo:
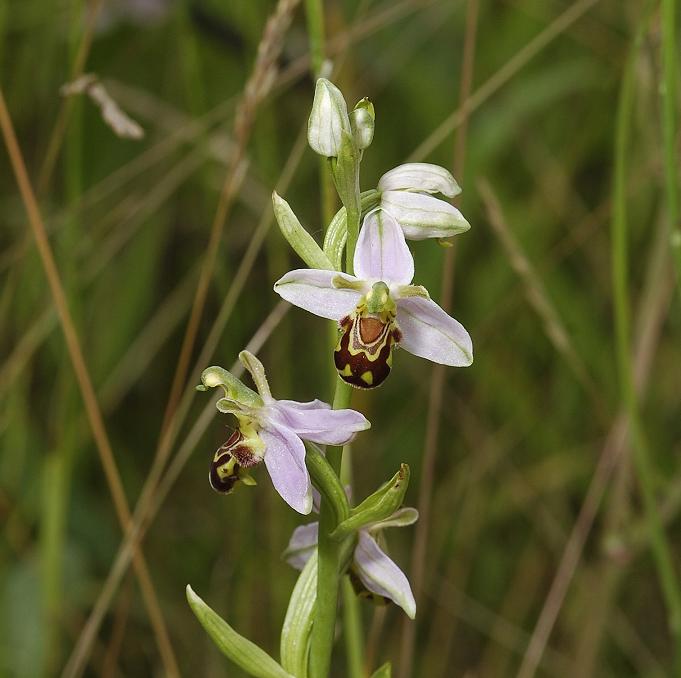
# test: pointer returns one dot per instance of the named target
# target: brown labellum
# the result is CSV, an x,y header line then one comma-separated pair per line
x,y
227,462
363,355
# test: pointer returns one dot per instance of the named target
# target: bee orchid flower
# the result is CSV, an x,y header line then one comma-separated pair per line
x,y
373,574
408,191
378,307
273,431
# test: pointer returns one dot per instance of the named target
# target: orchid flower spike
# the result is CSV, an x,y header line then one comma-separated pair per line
x,y
407,193
273,431
372,573
378,307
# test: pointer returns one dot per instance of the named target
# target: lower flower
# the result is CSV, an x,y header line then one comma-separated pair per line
x,y
373,574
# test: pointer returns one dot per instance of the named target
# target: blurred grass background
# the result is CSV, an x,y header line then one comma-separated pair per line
x,y
537,550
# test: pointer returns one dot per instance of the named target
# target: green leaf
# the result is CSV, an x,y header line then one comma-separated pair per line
x,y
337,231
295,633
378,506
300,240
384,671
240,650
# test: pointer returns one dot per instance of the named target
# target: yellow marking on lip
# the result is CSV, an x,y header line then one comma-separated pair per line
x,y
347,371
367,378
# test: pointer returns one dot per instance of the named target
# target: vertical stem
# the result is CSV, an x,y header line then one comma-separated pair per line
x,y
641,452
314,12
352,622
668,90
328,573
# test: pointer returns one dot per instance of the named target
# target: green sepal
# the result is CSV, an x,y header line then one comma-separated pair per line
x,y
376,507
327,482
337,231
384,671
303,244
345,172
234,389
295,633
245,654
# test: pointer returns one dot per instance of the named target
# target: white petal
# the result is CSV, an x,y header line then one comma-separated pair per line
x,y
423,216
428,332
301,546
382,252
328,119
313,290
285,461
420,176
381,575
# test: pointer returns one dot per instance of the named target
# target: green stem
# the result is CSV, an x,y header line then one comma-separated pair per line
x,y
352,623
314,12
353,234
642,456
329,550
328,573
669,113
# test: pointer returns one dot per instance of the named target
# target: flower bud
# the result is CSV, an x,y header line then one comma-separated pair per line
x,y
362,119
328,119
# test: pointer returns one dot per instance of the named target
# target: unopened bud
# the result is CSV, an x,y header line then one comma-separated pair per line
x,y
328,119
362,119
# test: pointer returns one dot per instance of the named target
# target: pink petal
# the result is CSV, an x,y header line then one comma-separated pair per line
x,y
323,426
285,462
428,332
314,291
301,546
382,252
381,575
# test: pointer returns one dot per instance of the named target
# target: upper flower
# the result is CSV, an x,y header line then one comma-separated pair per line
x,y
371,569
378,307
407,193
273,431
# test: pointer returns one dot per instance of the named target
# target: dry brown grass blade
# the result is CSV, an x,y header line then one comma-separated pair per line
x,y
85,384
418,561
154,491
57,136
654,303
146,511
537,296
257,87
651,318
501,77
